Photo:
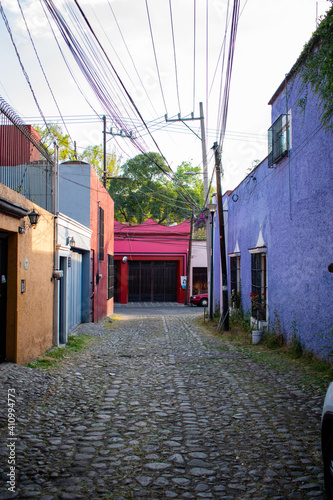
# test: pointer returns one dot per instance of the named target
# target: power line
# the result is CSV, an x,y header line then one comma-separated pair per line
x,y
42,69
225,102
174,54
21,64
155,56
154,125
194,48
130,56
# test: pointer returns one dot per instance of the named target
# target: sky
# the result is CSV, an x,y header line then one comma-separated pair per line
x,y
270,37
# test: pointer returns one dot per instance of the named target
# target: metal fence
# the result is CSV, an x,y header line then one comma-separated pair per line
x,y
25,165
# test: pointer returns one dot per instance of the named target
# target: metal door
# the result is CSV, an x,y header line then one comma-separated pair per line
x,y
63,302
74,291
152,281
134,281
165,281
3,293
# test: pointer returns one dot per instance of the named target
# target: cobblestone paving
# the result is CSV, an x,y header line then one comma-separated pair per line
x,y
157,408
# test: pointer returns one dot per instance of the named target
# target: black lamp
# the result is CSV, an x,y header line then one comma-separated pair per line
x,y
33,217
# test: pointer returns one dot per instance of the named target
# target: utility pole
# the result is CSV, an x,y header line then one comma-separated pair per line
x,y
225,312
202,139
122,133
188,270
204,168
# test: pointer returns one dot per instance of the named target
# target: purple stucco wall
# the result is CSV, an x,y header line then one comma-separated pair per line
x,y
292,205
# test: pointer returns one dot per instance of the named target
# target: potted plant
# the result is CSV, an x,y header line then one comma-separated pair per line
x,y
258,305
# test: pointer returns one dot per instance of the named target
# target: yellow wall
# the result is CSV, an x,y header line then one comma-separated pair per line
x,y
30,258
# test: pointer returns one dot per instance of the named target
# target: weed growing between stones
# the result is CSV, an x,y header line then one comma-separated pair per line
x,y
283,355
76,343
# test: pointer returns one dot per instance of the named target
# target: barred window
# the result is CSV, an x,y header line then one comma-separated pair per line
x,y
258,286
235,282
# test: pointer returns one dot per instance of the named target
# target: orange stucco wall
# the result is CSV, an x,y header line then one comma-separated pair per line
x,y
29,325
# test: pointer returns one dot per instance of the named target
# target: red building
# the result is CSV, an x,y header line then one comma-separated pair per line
x,y
102,243
150,261
15,147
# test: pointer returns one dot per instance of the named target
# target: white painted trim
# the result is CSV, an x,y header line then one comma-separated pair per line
x,y
258,250
73,225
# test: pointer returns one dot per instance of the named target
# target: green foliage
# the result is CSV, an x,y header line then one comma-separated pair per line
x,y
42,363
239,319
51,357
316,69
328,341
54,133
147,192
274,337
200,233
295,347
94,155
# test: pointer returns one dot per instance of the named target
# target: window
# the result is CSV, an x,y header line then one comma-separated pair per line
x,y
101,234
235,282
279,139
110,276
258,286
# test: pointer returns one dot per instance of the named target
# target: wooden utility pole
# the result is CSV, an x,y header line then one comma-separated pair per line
x,y
202,138
223,254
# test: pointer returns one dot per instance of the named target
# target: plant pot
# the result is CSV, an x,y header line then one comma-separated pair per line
x,y
256,336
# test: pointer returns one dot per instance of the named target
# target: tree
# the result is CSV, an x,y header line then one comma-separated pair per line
x,y
92,154
54,133
146,191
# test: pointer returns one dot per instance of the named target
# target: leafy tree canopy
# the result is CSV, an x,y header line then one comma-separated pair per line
x,y
145,191
92,154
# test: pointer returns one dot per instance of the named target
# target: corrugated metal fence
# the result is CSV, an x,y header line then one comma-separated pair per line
x,y
25,165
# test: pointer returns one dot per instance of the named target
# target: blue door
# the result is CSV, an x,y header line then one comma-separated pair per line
x,y
74,312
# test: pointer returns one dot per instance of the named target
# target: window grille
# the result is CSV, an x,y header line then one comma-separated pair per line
x,y
258,286
278,139
235,282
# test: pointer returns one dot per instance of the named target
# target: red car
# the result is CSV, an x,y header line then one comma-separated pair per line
x,y
201,299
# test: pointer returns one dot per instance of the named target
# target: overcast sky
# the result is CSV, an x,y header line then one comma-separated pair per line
x,y
271,35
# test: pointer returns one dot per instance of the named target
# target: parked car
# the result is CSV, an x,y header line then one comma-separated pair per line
x,y
200,299
327,441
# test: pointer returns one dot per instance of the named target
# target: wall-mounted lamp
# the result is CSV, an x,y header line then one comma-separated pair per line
x,y
71,241
33,217
124,259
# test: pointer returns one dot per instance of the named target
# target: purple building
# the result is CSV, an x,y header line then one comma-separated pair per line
x,y
279,228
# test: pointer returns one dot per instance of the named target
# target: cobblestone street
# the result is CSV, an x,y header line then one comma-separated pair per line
x,y
158,408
